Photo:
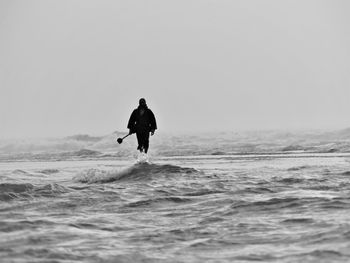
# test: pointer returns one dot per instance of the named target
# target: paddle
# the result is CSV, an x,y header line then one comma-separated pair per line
x,y
120,140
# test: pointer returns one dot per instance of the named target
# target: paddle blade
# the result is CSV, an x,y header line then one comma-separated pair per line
x,y
120,140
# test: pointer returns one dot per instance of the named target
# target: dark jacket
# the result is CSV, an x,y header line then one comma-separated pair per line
x,y
142,120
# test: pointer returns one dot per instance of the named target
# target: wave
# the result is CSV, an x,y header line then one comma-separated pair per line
x,y
219,153
256,190
280,203
298,221
336,203
139,171
321,188
26,225
86,152
40,173
316,255
293,148
49,190
19,171
273,203
276,204
49,171
15,188
149,202
10,191
291,180
298,168
203,192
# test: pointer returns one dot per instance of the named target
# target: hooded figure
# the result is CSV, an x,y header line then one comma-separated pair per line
x,y
142,122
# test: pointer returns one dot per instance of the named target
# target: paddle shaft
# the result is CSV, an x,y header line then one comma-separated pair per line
x,y
126,136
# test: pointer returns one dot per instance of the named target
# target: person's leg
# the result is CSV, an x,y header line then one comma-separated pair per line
x,y
139,141
146,141
143,140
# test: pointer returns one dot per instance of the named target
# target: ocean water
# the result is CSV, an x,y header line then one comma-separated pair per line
x,y
196,208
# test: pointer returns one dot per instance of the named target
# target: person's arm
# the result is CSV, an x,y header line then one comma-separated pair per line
x,y
131,123
153,122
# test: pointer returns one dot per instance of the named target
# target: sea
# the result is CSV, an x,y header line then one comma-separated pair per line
x,y
224,197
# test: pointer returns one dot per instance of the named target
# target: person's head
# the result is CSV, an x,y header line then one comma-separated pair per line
x,y
142,102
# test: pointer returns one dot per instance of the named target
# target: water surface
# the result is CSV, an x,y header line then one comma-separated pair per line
x,y
280,208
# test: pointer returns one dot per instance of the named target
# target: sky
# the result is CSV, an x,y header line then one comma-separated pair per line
x,y
80,66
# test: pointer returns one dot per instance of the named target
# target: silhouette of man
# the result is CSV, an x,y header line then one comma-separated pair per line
x,y
142,122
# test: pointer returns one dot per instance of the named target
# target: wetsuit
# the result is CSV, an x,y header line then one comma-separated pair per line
x,y
142,121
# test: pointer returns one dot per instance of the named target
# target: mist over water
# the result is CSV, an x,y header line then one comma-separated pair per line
x,y
289,205
180,144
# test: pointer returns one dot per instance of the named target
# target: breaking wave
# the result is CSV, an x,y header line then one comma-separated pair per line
x,y
140,171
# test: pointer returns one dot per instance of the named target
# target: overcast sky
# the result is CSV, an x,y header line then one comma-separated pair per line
x,y
80,66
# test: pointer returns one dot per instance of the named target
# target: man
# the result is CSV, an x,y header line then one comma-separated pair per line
x,y
142,122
